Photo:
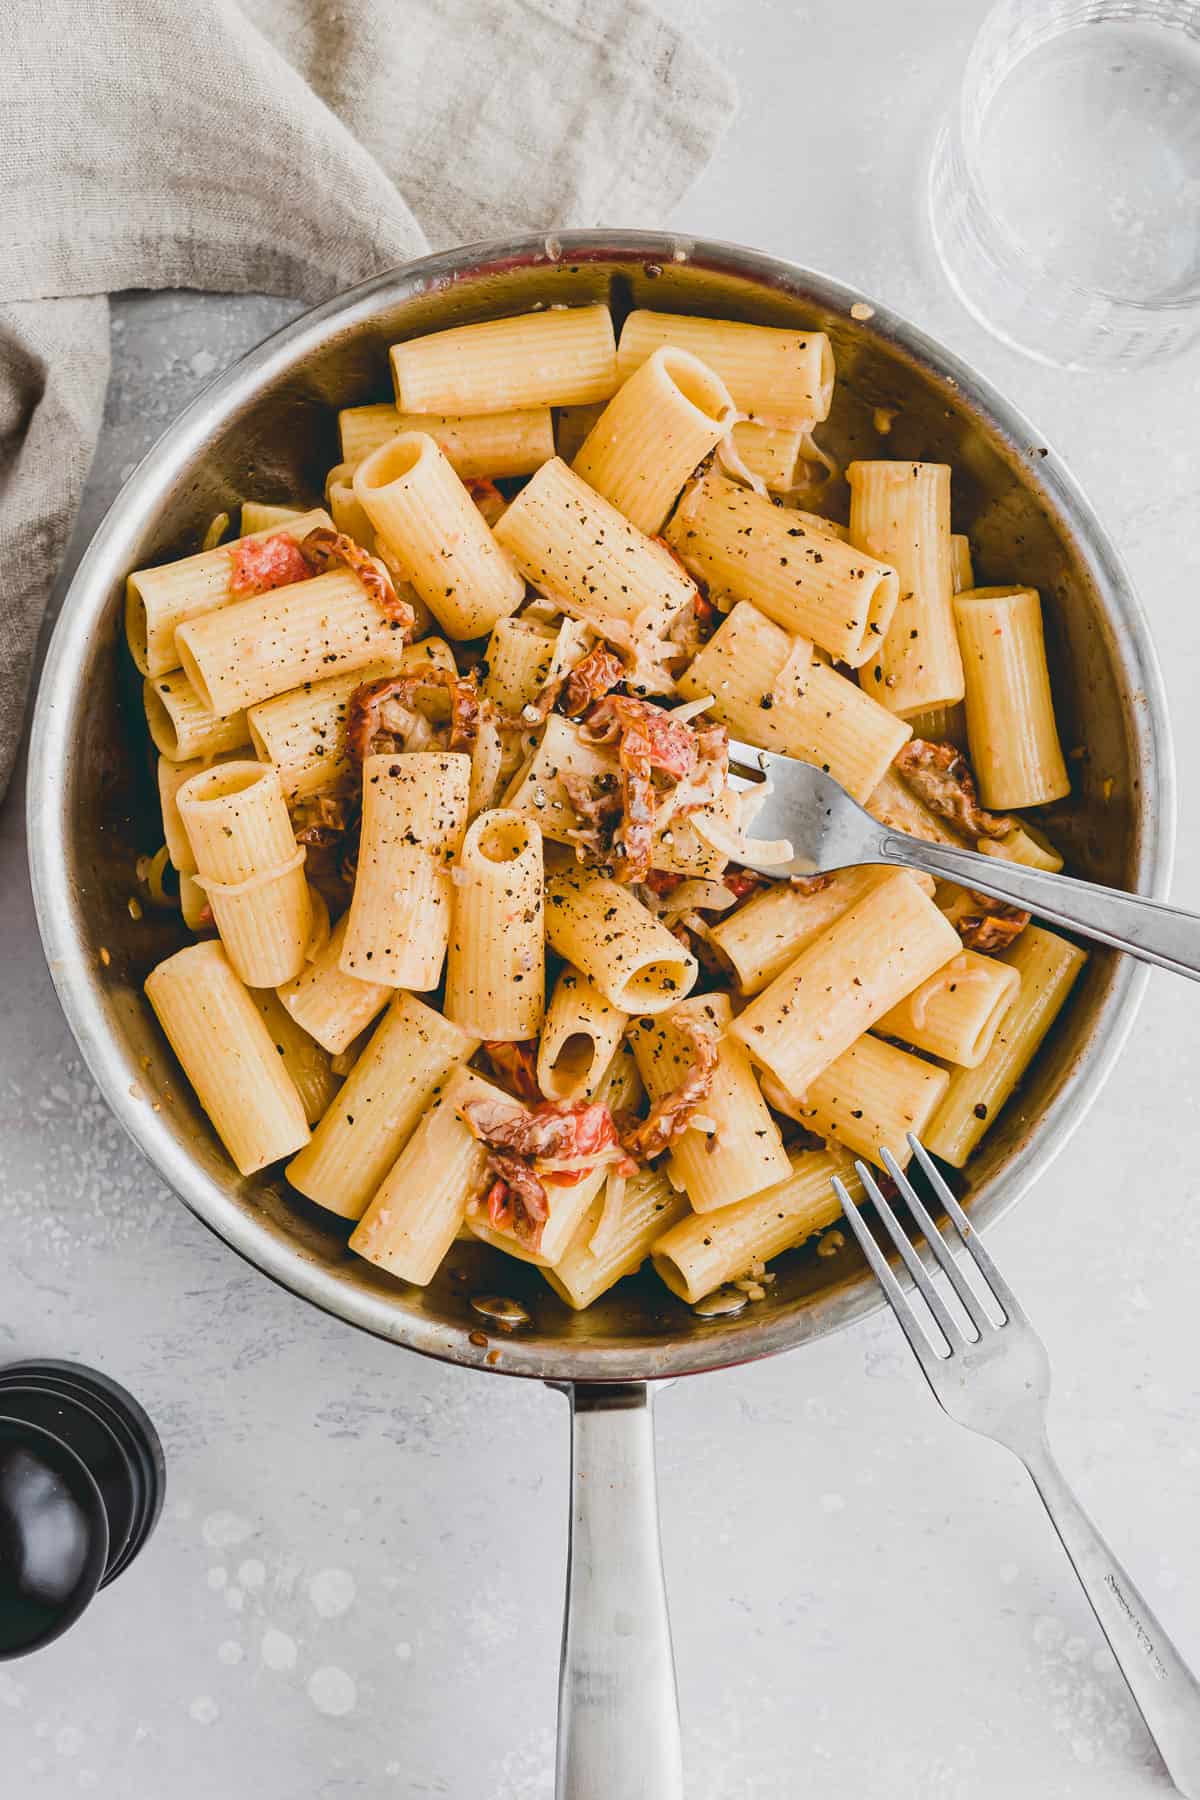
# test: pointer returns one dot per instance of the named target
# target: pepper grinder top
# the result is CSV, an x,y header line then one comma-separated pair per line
x,y
82,1480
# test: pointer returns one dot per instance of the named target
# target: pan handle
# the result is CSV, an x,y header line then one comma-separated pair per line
x,y
618,1712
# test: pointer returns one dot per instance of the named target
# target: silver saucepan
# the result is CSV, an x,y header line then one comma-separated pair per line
x,y
266,429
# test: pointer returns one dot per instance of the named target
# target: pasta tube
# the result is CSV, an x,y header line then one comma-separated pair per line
x,y
181,727
159,600
733,1148
703,1251
761,937
413,819
419,1208
812,584
255,648
477,446
1048,967
248,863
580,1037
769,451
564,356
436,535
652,434
869,1099
405,1065
956,1013
881,948
259,516
309,1068
496,967
1010,711
578,549
649,1207
520,655
171,777
599,926
303,732
772,691
226,1052
900,512
1024,844
329,1006
350,517
772,374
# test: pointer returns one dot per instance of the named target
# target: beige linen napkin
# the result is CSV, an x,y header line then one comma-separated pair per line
x,y
295,147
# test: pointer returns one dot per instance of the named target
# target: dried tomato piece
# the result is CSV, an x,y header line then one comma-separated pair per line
x,y
516,1063
362,714
940,775
598,673
322,547
993,927
669,1116
263,563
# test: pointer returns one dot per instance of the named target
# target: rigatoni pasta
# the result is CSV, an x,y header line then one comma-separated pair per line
x,y
772,374
215,1030
886,944
495,972
304,732
437,536
252,649
406,1063
182,727
478,446
159,600
704,1251
248,863
574,547
419,1207
648,1208
332,1007
652,434
868,1099
900,513
770,689
497,811
1048,967
633,959
580,1036
1010,711
413,819
956,1013
309,1067
760,939
564,356
812,584
733,1147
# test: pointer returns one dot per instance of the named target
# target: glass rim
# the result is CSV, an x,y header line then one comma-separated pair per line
x,y
977,91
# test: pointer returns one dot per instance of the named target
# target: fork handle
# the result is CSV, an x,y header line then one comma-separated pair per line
x,y
1164,1689
1145,928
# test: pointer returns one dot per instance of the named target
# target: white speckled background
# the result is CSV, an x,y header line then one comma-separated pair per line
x,y
356,1586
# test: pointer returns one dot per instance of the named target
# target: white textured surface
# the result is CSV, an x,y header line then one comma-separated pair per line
x,y
356,1585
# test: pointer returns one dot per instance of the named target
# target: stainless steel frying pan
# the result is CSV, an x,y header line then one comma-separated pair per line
x,y
266,429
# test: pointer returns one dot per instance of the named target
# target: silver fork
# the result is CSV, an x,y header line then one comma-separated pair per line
x,y
996,1383
828,830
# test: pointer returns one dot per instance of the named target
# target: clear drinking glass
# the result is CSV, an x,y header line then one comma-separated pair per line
x,y
1064,192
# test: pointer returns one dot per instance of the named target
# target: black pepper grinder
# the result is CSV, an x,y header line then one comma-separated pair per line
x,y
82,1479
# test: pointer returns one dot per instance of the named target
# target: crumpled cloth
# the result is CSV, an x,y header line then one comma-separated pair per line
x,y
288,147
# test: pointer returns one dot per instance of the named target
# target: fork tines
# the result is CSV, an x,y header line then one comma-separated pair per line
x,y
951,1336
